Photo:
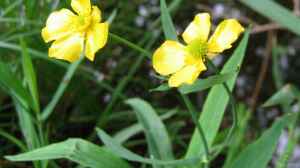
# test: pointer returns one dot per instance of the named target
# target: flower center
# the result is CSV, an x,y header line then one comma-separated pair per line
x,y
198,48
84,22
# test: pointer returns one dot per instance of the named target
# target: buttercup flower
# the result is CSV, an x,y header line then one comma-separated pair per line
x,y
72,34
184,63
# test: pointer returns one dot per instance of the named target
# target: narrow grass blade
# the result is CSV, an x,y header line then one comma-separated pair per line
x,y
167,24
27,126
285,96
275,12
28,130
156,133
200,84
61,88
259,153
244,115
14,86
216,102
30,76
203,84
13,139
119,150
77,150
134,129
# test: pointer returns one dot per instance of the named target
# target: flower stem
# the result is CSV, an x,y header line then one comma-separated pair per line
x,y
131,45
61,88
233,110
193,114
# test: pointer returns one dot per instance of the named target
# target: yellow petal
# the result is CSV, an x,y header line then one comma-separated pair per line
x,y
96,38
68,48
59,24
198,29
227,32
187,75
96,15
169,57
81,7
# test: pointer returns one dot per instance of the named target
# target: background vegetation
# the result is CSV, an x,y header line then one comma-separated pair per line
x,y
45,101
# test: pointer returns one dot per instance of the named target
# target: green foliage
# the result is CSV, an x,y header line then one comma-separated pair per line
x,y
156,133
259,153
216,102
77,150
52,100
275,12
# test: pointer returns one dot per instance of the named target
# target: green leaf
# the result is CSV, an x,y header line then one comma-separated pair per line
x,y
275,12
285,96
216,102
13,86
30,76
161,88
199,85
203,84
77,150
126,133
13,139
237,141
156,133
61,88
259,153
167,24
26,122
119,150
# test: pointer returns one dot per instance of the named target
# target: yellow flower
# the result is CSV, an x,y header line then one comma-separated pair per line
x,y
72,34
184,63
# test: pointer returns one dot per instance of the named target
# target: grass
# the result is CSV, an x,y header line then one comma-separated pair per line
x,y
53,113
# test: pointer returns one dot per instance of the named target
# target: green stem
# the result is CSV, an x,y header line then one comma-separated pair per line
x,y
61,89
131,45
193,114
233,110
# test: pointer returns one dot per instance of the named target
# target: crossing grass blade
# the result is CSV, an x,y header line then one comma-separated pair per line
x,y
156,134
13,86
275,12
216,102
30,76
285,96
200,84
167,24
77,150
119,150
259,153
134,129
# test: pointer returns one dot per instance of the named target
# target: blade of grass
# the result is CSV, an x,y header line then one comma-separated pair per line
x,y
191,109
28,130
61,88
86,72
11,7
156,134
13,139
216,102
14,86
167,24
76,150
103,119
126,133
239,135
30,76
119,150
266,144
275,12
198,85
131,45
